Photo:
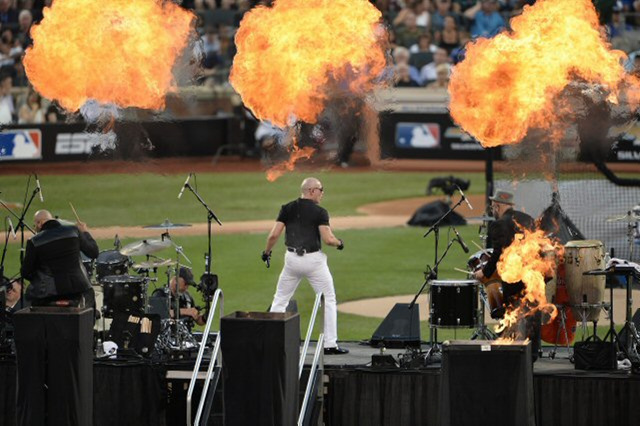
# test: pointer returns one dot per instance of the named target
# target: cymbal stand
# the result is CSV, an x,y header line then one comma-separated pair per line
x,y
482,331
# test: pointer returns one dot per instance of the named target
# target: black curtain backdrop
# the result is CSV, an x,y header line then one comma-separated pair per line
x,y
410,397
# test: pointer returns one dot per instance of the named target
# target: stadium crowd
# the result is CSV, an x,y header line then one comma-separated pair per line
x,y
426,38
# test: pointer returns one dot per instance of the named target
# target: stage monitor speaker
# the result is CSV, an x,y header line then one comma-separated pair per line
x,y
400,328
483,383
261,351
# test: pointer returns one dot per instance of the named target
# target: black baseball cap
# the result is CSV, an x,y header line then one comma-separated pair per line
x,y
186,274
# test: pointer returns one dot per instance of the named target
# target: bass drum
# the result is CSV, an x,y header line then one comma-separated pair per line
x,y
112,262
579,257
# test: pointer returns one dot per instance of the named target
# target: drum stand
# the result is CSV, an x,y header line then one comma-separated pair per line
x,y
563,328
482,331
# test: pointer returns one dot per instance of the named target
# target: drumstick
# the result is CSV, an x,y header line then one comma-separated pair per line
x,y
75,213
462,270
478,245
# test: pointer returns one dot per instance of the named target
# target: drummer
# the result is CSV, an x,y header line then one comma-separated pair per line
x,y
500,236
188,308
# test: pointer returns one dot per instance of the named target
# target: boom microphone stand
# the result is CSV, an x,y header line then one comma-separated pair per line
x,y
21,225
208,277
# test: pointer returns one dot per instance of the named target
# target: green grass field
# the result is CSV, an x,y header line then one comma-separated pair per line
x,y
139,199
375,263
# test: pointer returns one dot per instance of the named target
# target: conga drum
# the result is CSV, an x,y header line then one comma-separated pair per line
x,y
581,256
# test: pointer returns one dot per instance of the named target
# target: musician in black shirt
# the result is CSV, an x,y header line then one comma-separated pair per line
x,y
307,227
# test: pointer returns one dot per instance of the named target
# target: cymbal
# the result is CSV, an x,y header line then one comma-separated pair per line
x,y
158,263
167,225
482,218
144,247
627,218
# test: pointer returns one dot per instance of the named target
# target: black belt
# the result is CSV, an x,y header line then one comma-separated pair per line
x,y
301,251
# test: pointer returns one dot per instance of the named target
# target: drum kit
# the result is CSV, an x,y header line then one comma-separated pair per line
x,y
581,278
123,284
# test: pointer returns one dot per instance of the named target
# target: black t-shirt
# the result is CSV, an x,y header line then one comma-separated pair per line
x,y
302,217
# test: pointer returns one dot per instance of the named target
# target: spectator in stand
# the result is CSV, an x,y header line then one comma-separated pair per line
x,y
211,60
20,78
487,22
393,40
429,73
449,37
458,53
408,34
605,10
8,14
10,49
32,112
403,78
401,56
7,109
424,44
419,9
442,78
204,4
422,53
444,8
460,6
25,20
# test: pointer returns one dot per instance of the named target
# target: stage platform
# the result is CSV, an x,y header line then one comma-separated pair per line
x,y
358,394
139,392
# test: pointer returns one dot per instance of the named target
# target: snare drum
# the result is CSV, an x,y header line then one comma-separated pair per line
x,y
87,262
454,303
123,293
579,257
112,262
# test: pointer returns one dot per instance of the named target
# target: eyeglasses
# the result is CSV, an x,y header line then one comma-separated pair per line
x,y
321,189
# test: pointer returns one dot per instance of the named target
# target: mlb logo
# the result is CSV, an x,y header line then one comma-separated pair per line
x,y
418,135
20,144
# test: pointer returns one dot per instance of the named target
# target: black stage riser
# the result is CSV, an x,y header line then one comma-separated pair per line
x,y
410,397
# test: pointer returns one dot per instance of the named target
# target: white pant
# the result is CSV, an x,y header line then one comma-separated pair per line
x,y
312,266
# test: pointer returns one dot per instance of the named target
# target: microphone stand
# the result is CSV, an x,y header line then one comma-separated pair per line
x,y
432,274
210,217
21,224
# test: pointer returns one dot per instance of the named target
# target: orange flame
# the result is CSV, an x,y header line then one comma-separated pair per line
x,y
296,154
527,259
293,56
116,51
507,85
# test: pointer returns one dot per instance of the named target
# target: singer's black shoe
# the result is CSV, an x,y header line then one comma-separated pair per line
x,y
336,351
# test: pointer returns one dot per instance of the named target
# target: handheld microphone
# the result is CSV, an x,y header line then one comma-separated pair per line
x,y
186,182
465,198
39,188
13,230
461,241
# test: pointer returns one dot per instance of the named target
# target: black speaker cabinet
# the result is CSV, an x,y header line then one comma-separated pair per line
x,y
484,383
400,328
54,354
260,353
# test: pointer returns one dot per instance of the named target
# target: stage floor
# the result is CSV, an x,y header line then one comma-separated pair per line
x,y
359,356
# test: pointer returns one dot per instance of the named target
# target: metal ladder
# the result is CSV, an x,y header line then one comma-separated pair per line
x,y
317,364
217,297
